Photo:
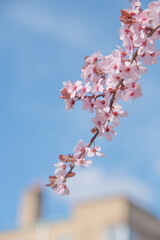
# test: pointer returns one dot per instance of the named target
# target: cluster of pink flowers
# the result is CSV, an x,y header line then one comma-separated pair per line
x,y
108,79
81,152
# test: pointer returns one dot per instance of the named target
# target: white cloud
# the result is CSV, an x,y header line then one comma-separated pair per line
x,y
93,183
54,24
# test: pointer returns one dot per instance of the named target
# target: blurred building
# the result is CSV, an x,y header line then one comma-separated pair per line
x,y
113,218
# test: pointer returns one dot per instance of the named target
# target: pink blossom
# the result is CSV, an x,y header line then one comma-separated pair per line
x,y
153,58
80,148
68,85
127,37
62,190
156,35
75,88
98,87
133,91
116,113
99,104
140,68
81,162
145,47
94,151
99,121
130,68
115,65
104,63
87,72
93,58
88,104
60,179
69,104
61,169
135,4
154,13
109,132
85,89
145,58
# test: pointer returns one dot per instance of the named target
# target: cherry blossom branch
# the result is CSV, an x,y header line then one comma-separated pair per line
x,y
108,79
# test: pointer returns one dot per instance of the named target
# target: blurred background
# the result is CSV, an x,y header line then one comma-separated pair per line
x,y
42,44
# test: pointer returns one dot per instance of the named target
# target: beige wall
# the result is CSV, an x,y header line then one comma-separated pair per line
x,y
89,222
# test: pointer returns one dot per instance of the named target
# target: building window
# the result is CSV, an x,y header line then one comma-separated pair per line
x,y
65,237
120,232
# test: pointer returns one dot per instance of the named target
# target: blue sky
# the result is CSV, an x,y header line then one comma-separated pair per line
x,y
42,44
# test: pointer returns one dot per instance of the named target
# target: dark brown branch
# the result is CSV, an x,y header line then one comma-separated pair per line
x,y
92,97
134,55
69,171
93,138
153,31
114,93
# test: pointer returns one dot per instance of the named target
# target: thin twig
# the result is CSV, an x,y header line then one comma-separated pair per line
x,y
153,31
90,143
